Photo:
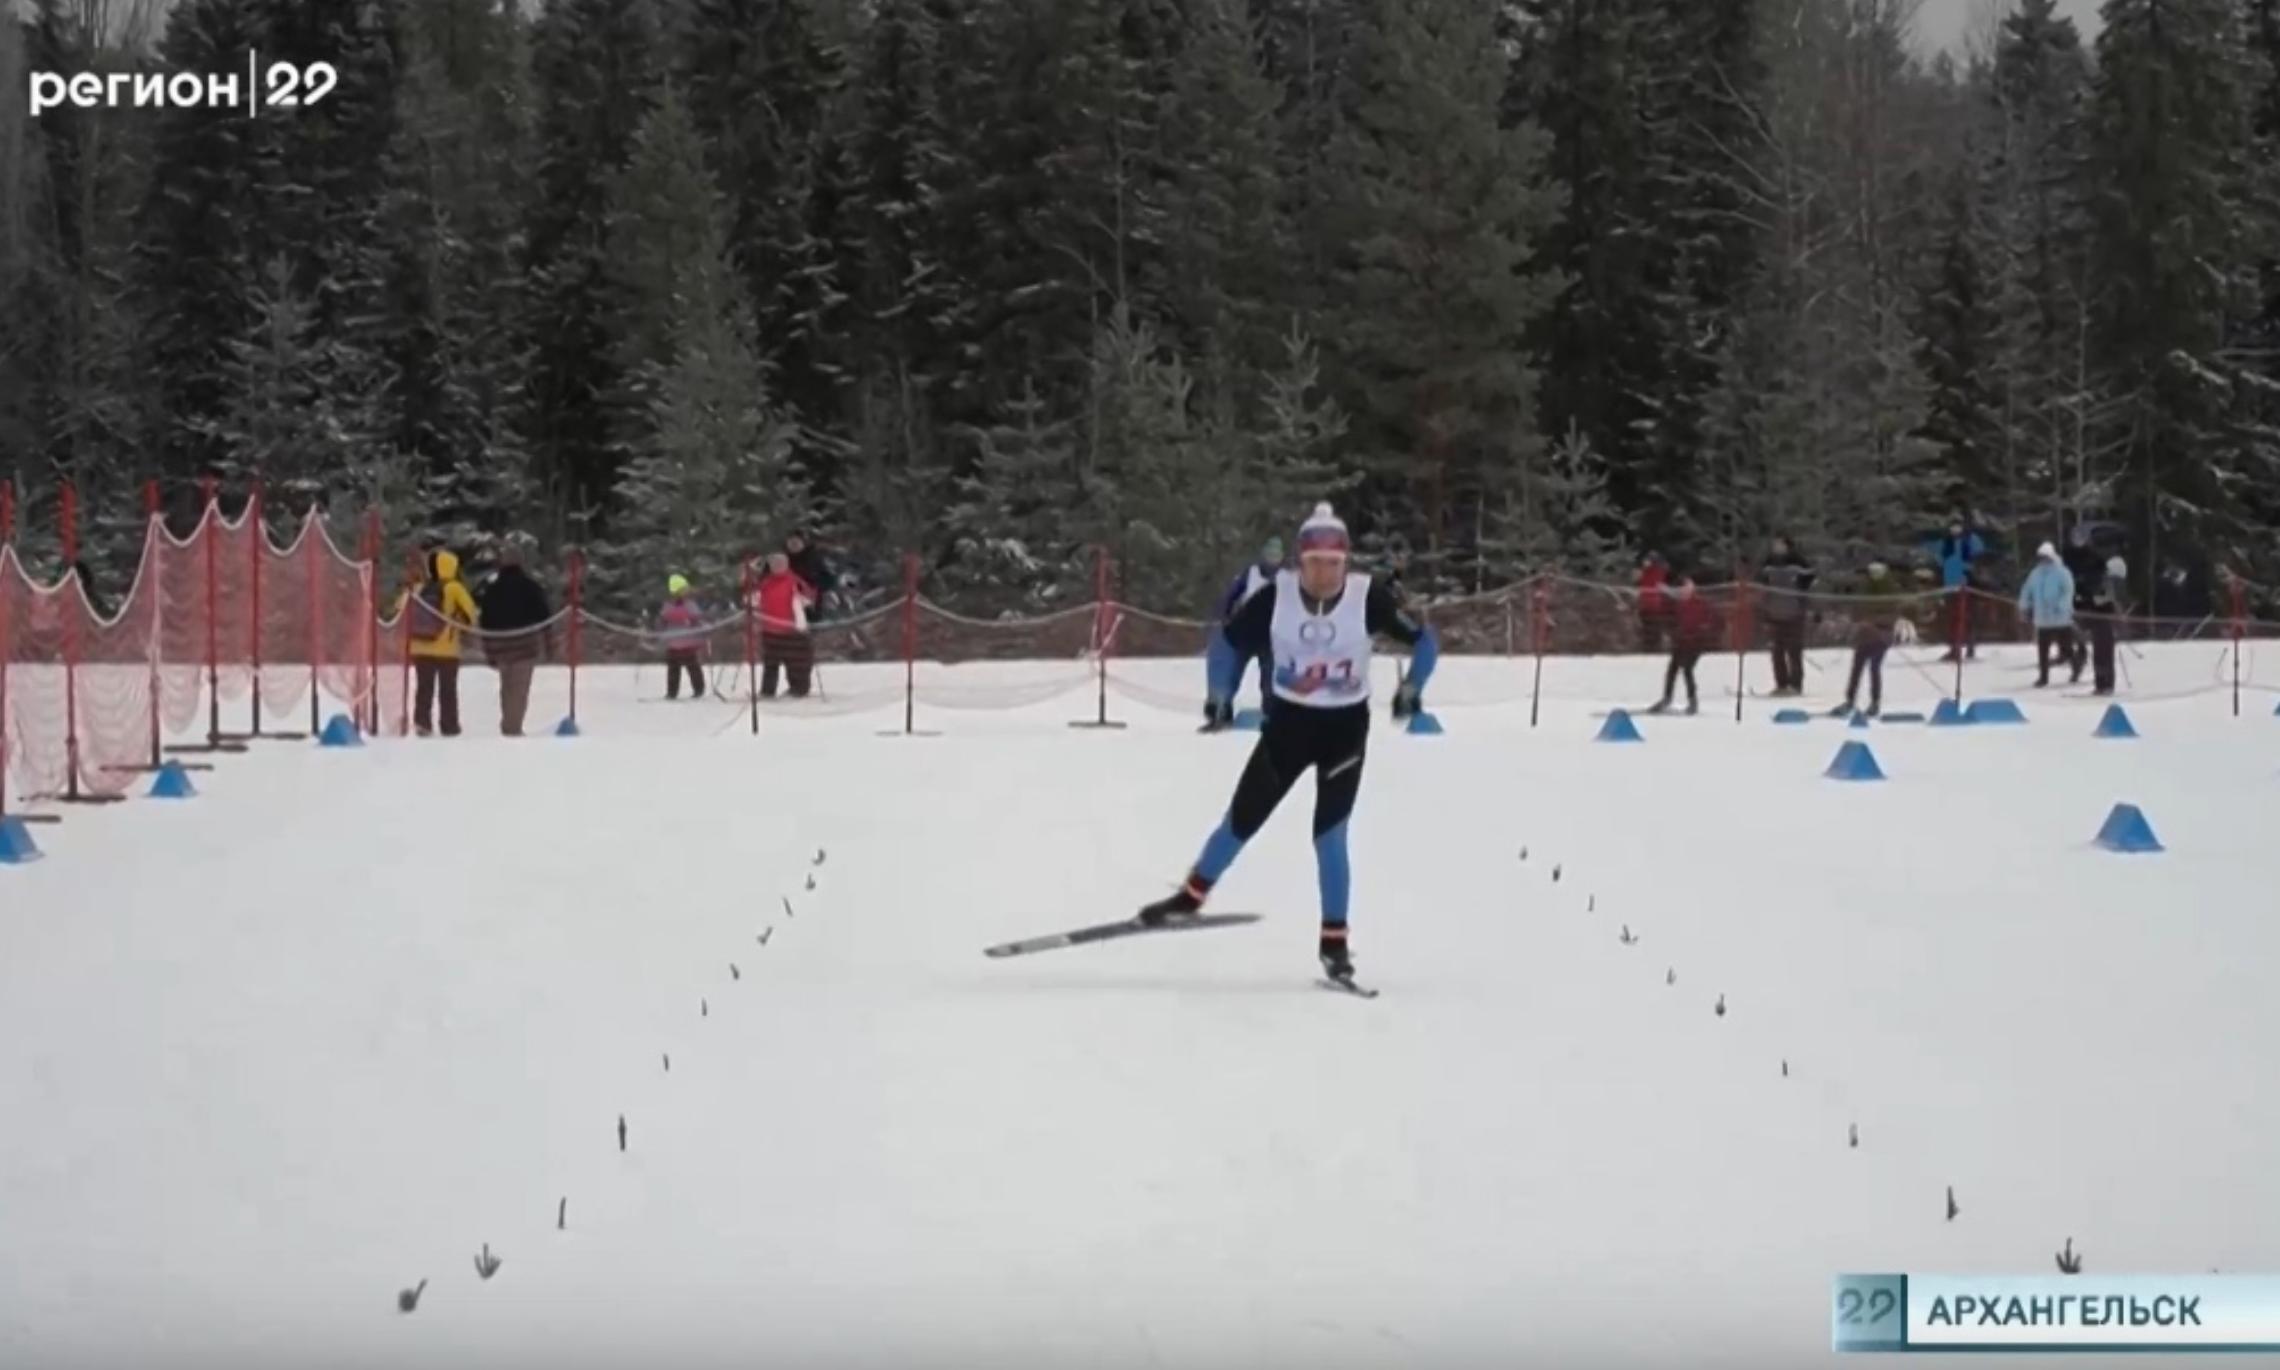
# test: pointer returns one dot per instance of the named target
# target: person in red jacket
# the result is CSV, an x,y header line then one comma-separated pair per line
x,y
1654,602
784,642
1693,632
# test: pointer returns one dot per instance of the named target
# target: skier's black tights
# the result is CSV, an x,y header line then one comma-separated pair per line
x,y
1294,738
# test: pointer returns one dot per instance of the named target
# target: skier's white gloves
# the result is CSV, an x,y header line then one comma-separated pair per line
x,y
1904,632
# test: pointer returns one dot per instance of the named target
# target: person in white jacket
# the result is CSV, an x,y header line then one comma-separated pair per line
x,y
2047,602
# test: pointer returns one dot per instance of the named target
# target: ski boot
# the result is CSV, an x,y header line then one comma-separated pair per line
x,y
1660,706
1337,962
1218,716
1184,902
1693,707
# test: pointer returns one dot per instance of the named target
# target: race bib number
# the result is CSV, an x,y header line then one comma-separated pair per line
x,y
1334,678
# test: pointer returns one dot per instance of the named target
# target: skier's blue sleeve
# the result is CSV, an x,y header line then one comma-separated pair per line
x,y
1233,598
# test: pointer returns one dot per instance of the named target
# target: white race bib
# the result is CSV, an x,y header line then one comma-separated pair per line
x,y
1322,660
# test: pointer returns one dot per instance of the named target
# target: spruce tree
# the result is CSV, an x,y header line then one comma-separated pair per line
x,y
596,66
1439,210
2171,166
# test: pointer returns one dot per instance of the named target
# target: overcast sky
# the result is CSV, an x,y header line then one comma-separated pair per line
x,y
1942,23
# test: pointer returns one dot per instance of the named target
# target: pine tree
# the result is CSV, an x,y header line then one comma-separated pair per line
x,y
293,420
597,69
707,454
1591,73
1226,246
1009,525
1961,348
761,83
906,306
204,238
1707,105
1813,425
1439,211
2037,215
2173,177
445,330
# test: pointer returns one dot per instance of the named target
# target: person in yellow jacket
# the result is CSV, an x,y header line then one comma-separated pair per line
x,y
440,608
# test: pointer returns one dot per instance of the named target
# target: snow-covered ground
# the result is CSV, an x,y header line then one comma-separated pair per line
x,y
272,1055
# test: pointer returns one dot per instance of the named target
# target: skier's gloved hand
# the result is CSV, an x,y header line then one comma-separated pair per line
x,y
1405,701
1904,632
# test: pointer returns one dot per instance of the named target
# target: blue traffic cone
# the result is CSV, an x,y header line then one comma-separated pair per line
x,y
172,782
1424,724
1994,711
1854,761
1950,714
568,727
16,845
2127,831
340,731
2115,723
1249,720
1619,728
1792,716
1859,720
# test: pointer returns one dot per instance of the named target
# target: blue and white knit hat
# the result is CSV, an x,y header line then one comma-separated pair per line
x,y
1323,532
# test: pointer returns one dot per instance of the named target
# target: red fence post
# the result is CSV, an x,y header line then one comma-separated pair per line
x,y
257,538
1744,629
2239,589
417,565
1539,623
154,559
910,642
316,619
577,627
748,600
209,528
67,511
370,551
1103,639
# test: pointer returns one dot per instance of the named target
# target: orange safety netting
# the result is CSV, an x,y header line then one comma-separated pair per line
x,y
231,633
223,619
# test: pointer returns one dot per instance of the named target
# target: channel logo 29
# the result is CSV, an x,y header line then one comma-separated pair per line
x,y
283,84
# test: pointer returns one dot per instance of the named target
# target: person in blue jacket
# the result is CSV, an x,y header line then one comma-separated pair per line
x,y
1959,553
1219,657
1317,623
2047,601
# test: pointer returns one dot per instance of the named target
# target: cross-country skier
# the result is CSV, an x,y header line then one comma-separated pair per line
x,y
1317,623
1221,659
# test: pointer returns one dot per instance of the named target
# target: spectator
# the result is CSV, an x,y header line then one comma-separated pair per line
x,y
2089,572
1959,553
439,609
1788,577
784,642
1654,602
515,619
2108,603
1694,631
810,565
1880,620
1219,713
680,623
2047,601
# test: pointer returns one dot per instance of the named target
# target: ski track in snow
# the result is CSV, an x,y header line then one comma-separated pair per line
x,y
272,1055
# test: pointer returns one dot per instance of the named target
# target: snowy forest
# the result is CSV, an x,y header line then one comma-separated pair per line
x,y
1520,284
